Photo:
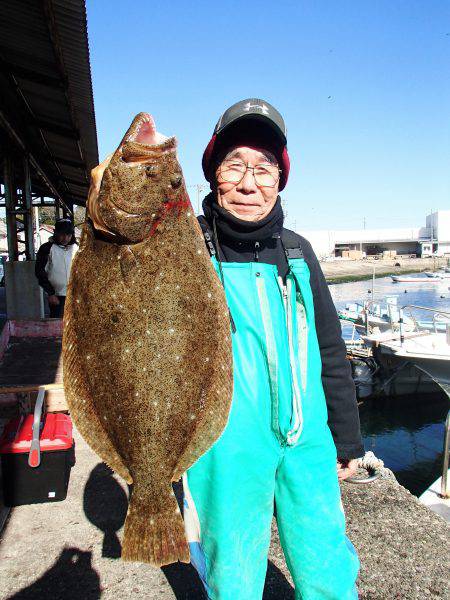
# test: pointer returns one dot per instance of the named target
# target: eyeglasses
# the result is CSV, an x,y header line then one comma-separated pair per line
x,y
233,171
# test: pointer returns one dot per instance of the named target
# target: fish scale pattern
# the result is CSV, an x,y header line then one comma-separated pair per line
x,y
147,349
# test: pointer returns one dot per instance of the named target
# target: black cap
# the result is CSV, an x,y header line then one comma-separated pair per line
x,y
251,121
255,109
64,226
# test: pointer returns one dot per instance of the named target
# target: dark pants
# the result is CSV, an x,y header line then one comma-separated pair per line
x,y
56,312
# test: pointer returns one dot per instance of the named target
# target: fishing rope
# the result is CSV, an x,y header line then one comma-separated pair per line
x,y
370,462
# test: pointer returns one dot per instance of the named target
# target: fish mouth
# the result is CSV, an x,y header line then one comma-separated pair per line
x,y
143,130
142,143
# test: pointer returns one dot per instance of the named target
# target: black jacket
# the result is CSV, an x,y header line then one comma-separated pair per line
x,y
343,416
39,268
41,262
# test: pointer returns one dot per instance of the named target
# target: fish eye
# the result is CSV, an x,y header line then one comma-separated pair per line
x,y
176,180
151,170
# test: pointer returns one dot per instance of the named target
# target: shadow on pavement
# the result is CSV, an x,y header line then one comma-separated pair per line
x,y
105,504
186,585
70,578
277,587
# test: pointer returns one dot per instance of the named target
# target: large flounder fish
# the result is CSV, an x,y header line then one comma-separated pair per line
x,y
146,343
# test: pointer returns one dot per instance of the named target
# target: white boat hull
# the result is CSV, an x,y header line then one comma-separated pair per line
x,y
400,279
432,498
420,359
437,369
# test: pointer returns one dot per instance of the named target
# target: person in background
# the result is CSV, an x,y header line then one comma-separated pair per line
x,y
53,263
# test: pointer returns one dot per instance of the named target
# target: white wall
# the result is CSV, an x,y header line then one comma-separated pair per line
x,y
323,241
377,235
440,221
443,226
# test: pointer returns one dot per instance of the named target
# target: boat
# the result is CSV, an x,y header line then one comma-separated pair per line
x,y
412,361
385,317
438,323
361,314
438,274
401,279
433,498
428,351
437,496
416,361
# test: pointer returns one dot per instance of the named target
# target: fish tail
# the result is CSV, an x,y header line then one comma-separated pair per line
x,y
155,538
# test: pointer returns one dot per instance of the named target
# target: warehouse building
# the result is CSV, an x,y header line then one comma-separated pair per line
x,y
431,240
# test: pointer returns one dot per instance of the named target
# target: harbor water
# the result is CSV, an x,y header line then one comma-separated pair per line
x,y
406,433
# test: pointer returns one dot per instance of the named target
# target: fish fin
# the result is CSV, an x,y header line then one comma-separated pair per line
x,y
87,422
78,394
155,538
208,431
127,261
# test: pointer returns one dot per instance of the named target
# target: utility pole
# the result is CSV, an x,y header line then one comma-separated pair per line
x,y
200,187
360,242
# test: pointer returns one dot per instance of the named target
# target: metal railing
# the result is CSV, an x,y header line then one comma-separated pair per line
x,y
425,308
367,313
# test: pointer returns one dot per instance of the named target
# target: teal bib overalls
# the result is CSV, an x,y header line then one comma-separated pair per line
x,y
276,449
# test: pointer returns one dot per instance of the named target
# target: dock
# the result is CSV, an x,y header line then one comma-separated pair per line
x,y
342,271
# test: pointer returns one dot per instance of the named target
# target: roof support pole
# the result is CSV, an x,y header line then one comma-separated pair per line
x,y
57,209
68,214
28,215
10,202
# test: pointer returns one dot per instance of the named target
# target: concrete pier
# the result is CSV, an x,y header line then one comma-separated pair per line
x,y
70,550
340,271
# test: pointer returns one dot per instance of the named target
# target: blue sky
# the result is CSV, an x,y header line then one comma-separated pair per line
x,y
364,88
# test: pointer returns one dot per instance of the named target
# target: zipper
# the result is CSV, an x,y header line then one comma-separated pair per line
x,y
296,399
272,357
257,248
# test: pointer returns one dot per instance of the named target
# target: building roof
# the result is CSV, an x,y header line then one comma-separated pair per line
x,y
46,106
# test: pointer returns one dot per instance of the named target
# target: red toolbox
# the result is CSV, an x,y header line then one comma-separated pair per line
x,y
37,453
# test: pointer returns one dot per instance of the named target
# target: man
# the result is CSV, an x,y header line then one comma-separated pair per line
x,y
53,263
294,414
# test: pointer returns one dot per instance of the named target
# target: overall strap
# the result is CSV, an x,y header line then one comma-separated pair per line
x,y
207,234
291,244
212,251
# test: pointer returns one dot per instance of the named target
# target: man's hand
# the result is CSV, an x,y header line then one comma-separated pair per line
x,y
96,180
346,468
53,300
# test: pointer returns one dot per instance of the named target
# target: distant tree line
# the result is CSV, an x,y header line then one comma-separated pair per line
x,y
47,215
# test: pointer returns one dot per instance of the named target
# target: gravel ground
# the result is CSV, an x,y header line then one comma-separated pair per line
x,y
70,550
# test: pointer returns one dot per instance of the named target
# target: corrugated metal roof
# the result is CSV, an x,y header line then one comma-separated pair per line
x,y
46,86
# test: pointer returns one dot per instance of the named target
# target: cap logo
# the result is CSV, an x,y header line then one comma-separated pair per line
x,y
262,107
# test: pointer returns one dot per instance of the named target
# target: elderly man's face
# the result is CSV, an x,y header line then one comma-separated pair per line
x,y
248,199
